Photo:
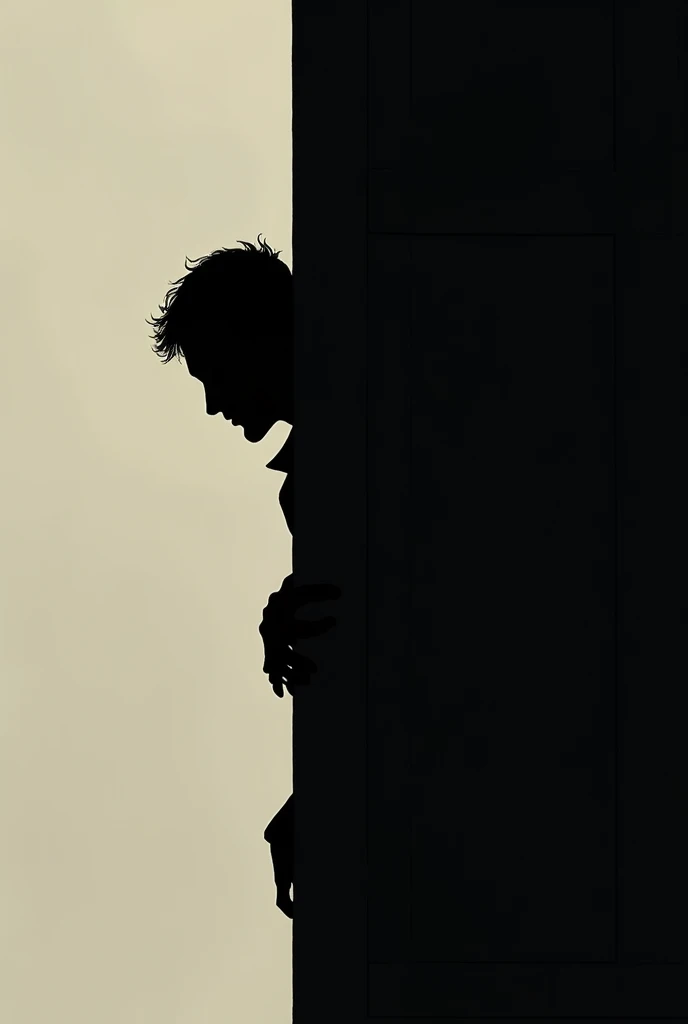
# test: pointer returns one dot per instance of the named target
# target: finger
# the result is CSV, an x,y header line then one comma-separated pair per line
x,y
303,628
277,684
315,592
287,659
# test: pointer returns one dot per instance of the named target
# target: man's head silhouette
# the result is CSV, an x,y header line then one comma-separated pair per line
x,y
231,319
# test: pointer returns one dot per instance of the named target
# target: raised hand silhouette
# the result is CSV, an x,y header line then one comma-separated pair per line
x,y
284,666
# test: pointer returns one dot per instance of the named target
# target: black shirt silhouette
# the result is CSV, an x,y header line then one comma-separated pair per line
x,y
280,832
284,463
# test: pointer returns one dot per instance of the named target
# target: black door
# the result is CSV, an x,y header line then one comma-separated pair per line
x,y
489,255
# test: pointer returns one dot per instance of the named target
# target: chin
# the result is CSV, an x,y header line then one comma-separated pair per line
x,y
255,434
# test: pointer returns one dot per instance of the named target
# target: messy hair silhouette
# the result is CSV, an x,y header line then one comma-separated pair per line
x,y
260,281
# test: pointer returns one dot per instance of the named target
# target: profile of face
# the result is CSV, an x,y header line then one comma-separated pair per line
x,y
245,395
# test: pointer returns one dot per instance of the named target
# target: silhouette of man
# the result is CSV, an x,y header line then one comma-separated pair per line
x,y
231,319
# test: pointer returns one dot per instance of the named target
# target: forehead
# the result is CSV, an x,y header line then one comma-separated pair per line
x,y
200,356
205,360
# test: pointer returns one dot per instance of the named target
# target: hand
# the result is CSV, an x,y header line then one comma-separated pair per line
x,y
279,629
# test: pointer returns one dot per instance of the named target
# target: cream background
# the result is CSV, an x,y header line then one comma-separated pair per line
x,y
142,749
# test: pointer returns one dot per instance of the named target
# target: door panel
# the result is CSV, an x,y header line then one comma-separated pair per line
x,y
653,606
507,446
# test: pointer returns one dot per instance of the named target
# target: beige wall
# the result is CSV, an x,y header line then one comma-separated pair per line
x,y
143,751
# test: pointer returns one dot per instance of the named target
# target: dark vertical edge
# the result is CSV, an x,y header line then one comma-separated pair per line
x,y
409,448
294,400
615,456
389,130
679,163
679,40
329,732
411,534
410,60
367,499
614,86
